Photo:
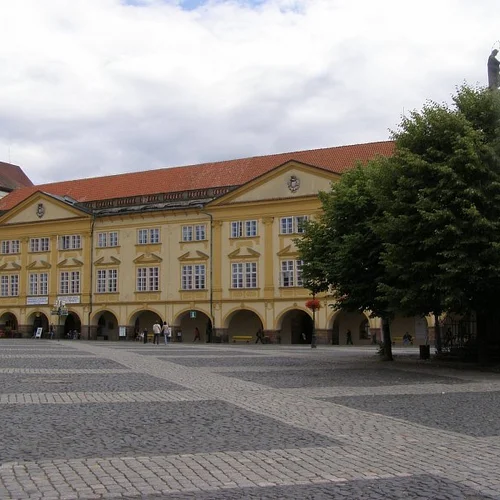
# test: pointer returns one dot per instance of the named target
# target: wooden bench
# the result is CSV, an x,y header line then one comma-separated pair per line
x,y
242,338
400,340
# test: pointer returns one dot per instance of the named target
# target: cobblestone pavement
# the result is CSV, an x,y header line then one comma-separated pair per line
x,y
96,420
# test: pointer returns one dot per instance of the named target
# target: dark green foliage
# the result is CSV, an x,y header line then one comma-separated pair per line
x,y
418,233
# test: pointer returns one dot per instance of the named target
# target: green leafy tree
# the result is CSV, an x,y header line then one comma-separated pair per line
x,y
342,251
441,200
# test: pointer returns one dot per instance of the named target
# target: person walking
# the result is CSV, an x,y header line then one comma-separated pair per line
x,y
179,335
156,333
167,332
51,332
259,336
349,338
196,335
145,335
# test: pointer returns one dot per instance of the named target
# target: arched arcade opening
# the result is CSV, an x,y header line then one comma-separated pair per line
x,y
144,320
189,323
296,327
106,325
8,325
72,326
242,322
355,323
38,320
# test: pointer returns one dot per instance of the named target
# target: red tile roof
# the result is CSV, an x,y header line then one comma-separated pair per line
x,y
206,175
12,177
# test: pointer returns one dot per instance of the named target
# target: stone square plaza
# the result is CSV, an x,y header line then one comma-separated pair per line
x,y
89,420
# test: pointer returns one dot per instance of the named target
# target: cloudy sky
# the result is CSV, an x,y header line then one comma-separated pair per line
x,y
94,87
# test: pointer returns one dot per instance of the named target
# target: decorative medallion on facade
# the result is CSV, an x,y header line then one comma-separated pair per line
x,y
40,210
293,183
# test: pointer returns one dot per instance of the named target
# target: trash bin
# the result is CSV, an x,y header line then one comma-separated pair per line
x,y
425,352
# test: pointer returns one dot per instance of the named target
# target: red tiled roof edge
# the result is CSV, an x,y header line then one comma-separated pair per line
x,y
13,177
202,176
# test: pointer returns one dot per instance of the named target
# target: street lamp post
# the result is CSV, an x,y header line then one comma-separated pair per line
x,y
314,305
59,309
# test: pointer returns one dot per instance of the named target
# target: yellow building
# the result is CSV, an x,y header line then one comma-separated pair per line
x,y
204,246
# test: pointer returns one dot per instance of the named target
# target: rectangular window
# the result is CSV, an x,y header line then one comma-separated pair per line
x,y
300,223
250,228
39,244
291,273
70,242
107,281
293,225
247,229
10,246
107,239
244,275
154,235
236,229
187,233
194,233
69,282
193,277
200,232
39,284
9,285
146,236
148,279
142,236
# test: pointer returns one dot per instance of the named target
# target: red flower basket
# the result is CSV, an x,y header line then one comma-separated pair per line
x,y
313,304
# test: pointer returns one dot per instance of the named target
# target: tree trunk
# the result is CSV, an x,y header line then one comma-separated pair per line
x,y
437,333
386,335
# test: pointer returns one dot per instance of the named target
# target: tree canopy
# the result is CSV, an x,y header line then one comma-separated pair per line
x,y
417,233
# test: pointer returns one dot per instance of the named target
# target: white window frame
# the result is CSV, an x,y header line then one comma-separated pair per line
x,y
70,242
40,244
10,246
154,235
148,279
193,277
109,239
244,274
69,282
291,273
148,236
9,285
196,232
293,225
244,229
38,284
200,232
187,233
236,229
251,228
107,281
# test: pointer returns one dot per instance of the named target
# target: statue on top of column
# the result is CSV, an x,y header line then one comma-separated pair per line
x,y
493,70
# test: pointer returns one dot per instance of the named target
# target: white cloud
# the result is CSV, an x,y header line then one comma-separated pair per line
x,y
91,87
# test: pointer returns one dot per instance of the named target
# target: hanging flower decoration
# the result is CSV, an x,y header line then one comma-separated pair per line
x,y
313,304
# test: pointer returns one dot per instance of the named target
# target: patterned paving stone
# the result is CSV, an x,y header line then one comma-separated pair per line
x,y
242,421
24,383
41,351
251,361
169,353
59,431
338,377
423,487
471,413
62,362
